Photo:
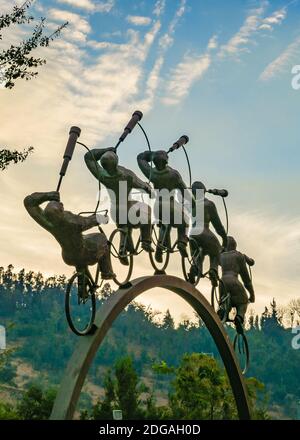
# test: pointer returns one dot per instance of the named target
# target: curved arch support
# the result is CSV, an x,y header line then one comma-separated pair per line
x,y
87,347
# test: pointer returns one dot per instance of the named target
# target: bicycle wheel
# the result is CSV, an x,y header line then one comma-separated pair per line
x,y
241,348
80,312
121,259
220,300
159,267
191,261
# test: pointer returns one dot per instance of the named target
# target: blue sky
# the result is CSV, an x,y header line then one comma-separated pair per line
x,y
217,71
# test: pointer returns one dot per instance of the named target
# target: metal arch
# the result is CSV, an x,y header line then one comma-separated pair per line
x,y
87,347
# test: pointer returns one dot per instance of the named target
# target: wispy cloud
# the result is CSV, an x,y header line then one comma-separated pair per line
x,y
213,43
165,42
159,7
167,39
190,70
282,62
138,20
78,28
89,5
254,23
276,18
239,42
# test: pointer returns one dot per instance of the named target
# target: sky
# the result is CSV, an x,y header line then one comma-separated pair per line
x,y
217,71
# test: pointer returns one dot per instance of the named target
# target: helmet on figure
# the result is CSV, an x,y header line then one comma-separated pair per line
x,y
198,186
231,243
109,161
160,159
54,211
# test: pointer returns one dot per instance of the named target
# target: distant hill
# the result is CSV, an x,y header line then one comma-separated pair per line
x,y
32,309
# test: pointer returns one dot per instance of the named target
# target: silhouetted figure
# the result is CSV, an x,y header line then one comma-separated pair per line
x,y
207,241
67,228
110,174
234,264
164,177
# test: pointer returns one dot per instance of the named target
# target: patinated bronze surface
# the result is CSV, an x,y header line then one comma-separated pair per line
x,y
207,240
112,175
78,250
234,264
162,176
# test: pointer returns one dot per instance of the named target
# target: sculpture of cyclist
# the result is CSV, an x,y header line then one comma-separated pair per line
x,y
112,175
77,249
234,264
207,240
163,177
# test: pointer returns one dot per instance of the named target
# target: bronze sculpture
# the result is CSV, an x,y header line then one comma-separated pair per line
x,y
77,249
234,264
114,177
207,240
163,177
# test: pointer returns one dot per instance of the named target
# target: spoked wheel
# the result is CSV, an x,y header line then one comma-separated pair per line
x,y
192,261
121,258
241,348
80,303
220,301
159,267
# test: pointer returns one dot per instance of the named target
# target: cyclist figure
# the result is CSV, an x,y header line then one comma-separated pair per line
x,y
164,177
77,249
112,175
207,240
233,264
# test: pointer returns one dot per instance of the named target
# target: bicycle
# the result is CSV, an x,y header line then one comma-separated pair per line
x,y
164,245
122,248
81,291
81,288
240,342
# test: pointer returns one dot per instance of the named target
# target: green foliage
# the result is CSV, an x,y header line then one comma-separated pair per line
x,y
8,412
7,157
104,408
36,307
126,390
200,390
17,62
7,373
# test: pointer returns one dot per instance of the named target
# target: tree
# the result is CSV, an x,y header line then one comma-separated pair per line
x,y
17,62
36,404
7,157
201,390
103,409
127,392
168,321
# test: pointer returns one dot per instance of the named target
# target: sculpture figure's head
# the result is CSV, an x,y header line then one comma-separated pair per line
x,y
198,186
231,243
54,212
109,161
160,160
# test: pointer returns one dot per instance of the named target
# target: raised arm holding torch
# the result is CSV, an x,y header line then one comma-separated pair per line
x,y
73,136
